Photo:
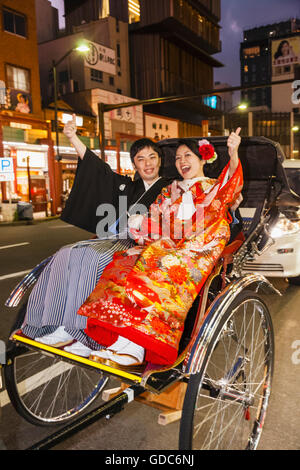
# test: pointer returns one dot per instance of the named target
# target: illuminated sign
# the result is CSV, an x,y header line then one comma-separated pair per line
x,y
117,120
211,101
101,58
7,177
68,117
6,165
159,128
7,169
285,52
36,159
251,51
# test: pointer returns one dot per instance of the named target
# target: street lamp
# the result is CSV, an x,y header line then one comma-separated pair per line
x,y
241,106
82,47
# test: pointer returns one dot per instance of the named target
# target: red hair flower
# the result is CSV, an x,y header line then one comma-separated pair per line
x,y
206,151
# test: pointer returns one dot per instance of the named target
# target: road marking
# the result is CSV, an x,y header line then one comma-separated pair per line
x,y
37,380
12,246
61,226
19,274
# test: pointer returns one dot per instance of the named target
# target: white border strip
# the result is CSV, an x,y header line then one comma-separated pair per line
x,y
4,247
19,274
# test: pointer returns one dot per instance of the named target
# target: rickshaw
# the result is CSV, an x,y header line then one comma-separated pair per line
x,y
219,387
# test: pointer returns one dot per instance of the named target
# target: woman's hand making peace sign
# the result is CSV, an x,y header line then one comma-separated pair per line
x,y
233,144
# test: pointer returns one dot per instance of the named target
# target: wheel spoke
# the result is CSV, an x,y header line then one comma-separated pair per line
x,y
49,390
234,385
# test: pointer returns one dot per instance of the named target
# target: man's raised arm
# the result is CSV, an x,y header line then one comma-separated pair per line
x,y
70,131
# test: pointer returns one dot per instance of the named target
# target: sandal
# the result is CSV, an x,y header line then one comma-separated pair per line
x,y
57,339
115,360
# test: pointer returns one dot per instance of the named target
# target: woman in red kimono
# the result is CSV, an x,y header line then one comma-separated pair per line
x,y
138,308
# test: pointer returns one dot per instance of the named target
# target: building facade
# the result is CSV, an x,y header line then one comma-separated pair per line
x,y
47,23
261,64
268,54
171,43
171,48
105,66
26,148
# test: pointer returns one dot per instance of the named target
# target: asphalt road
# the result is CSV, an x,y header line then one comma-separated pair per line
x,y
136,427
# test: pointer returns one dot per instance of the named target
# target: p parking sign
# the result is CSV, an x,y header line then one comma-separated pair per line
x,y
6,165
7,169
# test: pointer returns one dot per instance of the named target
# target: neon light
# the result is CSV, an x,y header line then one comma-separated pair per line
x,y
25,145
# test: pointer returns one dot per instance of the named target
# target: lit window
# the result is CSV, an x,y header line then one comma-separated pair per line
x,y
134,11
14,23
251,51
104,10
17,78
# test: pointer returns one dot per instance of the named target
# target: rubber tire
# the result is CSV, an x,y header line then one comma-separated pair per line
x,y
187,419
9,375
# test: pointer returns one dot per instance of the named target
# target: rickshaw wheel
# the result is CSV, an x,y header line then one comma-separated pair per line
x,y
45,390
225,403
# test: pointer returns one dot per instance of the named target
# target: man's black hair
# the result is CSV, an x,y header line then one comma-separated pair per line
x,y
140,144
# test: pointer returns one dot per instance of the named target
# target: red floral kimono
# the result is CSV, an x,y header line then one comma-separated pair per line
x,y
145,293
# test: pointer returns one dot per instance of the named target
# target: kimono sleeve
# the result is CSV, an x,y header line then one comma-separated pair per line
x,y
230,188
95,183
151,227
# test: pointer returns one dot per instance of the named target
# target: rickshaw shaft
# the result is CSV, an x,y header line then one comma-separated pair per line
x,y
112,407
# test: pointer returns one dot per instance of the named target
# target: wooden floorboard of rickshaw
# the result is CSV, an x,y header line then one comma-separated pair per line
x,y
171,399
170,402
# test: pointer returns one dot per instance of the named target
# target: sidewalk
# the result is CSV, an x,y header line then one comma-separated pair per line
x,y
29,222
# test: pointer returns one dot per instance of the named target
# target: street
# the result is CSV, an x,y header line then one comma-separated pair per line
x,y
23,247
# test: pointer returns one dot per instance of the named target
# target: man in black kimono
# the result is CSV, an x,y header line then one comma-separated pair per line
x,y
56,298
97,184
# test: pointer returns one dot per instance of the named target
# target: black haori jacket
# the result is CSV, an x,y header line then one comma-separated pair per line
x,y
96,183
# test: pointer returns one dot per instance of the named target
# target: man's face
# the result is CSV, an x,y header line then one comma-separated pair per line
x,y
147,163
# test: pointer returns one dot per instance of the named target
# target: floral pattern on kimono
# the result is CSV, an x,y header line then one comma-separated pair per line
x,y
145,293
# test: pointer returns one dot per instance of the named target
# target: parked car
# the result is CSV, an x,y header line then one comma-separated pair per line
x,y
282,259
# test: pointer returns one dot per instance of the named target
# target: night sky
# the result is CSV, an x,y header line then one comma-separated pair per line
x,y
236,16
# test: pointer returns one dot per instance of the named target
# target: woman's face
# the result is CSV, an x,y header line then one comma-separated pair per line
x,y
187,163
285,49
